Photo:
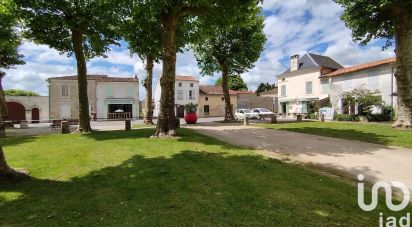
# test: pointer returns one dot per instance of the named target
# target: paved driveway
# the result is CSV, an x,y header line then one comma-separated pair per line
x,y
376,162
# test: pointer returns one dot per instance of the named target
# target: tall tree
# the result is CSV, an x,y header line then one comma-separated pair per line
x,y
235,83
143,41
231,49
9,57
264,87
84,28
387,19
177,20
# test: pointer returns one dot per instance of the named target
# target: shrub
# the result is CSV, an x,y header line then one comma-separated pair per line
x,y
387,114
191,108
346,117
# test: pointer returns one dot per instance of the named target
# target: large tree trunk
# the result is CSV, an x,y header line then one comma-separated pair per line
x,y
225,85
166,124
147,119
403,74
84,117
3,108
5,170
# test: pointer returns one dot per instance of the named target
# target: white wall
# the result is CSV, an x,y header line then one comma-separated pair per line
x,y
185,88
116,92
379,78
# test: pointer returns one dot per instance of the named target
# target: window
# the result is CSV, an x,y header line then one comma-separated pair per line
x,y
206,98
206,109
191,84
373,82
129,91
65,111
109,90
179,94
180,84
325,86
223,98
308,87
191,94
347,83
283,90
65,90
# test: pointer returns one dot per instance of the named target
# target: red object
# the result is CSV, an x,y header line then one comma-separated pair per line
x,y
191,118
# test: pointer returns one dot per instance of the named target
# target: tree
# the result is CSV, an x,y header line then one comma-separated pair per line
x,y
264,87
177,21
9,57
145,42
231,49
387,19
18,92
82,28
235,83
363,100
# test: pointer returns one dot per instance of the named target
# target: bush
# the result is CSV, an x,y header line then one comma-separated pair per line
x,y
387,114
346,117
191,108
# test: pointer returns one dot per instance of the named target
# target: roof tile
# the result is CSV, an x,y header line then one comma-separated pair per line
x,y
214,90
361,67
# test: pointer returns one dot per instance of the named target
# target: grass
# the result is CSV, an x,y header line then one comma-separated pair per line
x,y
125,178
371,133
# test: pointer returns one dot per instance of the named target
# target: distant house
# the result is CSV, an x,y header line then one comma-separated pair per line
x,y
186,91
273,94
374,76
249,100
212,102
300,83
109,97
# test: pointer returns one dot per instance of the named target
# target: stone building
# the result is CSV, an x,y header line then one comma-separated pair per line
x,y
33,109
212,102
249,100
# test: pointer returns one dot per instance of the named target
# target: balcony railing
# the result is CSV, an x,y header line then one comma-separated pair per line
x,y
125,115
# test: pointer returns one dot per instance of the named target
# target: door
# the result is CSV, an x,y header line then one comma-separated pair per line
x,y
16,112
65,111
180,111
284,108
35,115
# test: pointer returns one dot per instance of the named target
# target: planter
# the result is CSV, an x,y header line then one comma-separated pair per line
x,y
191,118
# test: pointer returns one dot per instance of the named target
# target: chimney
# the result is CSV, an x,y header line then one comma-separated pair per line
x,y
294,62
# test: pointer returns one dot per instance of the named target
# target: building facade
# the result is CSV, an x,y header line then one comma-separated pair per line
x,y
212,102
186,91
273,95
376,76
300,84
109,97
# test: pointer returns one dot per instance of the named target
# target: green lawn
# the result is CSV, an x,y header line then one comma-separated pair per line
x,y
125,178
372,133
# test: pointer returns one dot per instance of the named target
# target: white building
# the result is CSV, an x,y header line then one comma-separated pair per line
x,y
300,84
107,96
375,76
186,91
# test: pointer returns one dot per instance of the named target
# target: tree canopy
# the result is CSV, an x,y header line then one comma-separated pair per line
x,y
264,87
236,83
18,92
10,39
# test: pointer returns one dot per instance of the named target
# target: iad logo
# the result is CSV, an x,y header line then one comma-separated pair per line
x,y
388,191
387,186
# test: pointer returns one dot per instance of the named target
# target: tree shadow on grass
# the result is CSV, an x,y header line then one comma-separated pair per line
x,y
120,134
16,140
189,188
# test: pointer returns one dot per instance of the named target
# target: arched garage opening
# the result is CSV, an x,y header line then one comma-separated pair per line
x,y
35,115
17,112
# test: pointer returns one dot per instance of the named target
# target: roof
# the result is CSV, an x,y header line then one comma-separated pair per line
x,y
214,90
314,60
185,78
245,92
273,91
99,78
361,67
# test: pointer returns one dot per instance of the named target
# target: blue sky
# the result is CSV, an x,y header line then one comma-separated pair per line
x,y
291,27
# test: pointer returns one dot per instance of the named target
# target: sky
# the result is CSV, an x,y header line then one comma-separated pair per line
x,y
291,27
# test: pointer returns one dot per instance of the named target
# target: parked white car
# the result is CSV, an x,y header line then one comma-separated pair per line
x,y
262,113
242,113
